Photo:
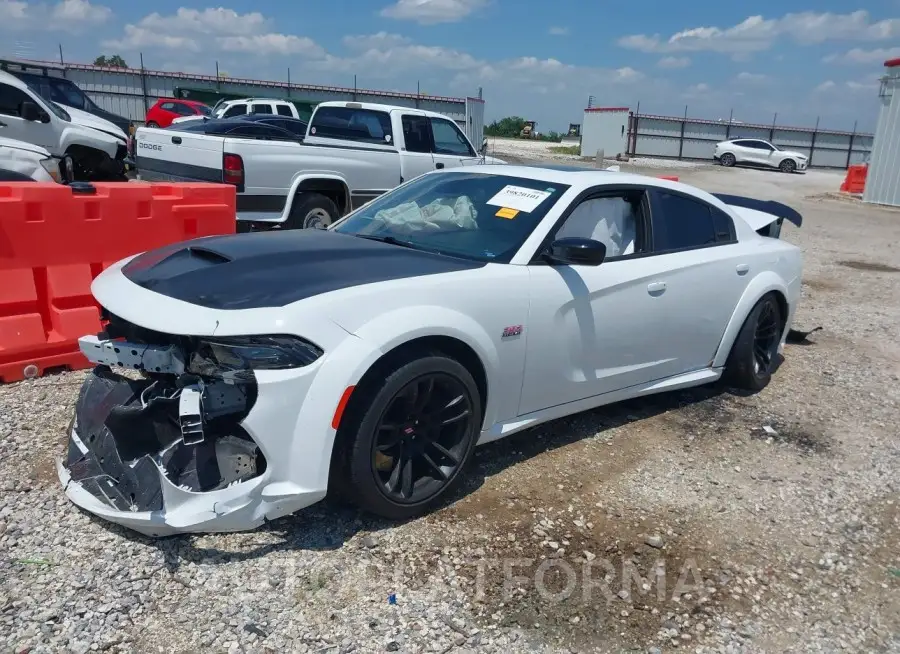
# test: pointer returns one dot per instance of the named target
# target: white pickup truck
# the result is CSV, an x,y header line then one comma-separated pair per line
x,y
96,147
352,153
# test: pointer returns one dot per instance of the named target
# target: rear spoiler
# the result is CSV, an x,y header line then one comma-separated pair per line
x,y
776,209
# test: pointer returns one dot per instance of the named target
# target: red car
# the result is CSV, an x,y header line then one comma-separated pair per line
x,y
168,109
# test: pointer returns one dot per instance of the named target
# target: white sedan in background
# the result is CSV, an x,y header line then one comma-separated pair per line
x,y
372,357
760,153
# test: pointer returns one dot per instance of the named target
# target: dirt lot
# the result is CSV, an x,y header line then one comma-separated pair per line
x,y
698,521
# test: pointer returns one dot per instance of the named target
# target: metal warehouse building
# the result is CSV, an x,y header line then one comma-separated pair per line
x,y
130,92
883,177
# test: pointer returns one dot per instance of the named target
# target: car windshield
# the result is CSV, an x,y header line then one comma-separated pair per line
x,y
67,93
478,216
58,111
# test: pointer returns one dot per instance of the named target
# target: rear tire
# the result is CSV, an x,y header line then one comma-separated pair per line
x,y
728,160
390,429
312,211
755,349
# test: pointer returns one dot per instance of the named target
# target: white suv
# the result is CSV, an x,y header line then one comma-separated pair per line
x,y
761,153
232,108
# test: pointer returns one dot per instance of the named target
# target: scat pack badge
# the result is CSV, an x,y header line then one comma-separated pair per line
x,y
513,330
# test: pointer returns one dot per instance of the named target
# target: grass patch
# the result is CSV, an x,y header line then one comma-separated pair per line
x,y
566,149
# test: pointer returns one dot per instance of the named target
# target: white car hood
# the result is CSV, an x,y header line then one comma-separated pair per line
x,y
22,145
84,119
794,153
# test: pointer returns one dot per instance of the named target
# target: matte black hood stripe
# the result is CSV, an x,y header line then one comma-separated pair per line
x,y
276,268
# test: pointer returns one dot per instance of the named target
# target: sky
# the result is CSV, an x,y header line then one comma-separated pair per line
x,y
542,60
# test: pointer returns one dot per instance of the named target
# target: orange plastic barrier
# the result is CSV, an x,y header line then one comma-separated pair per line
x,y
54,241
670,178
855,181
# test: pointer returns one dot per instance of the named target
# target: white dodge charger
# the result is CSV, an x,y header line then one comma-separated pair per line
x,y
370,358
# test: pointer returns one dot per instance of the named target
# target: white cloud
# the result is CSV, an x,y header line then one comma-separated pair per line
x,y
218,21
268,44
432,12
80,11
13,10
825,86
213,29
558,31
674,62
379,40
64,16
751,78
756,33
863,57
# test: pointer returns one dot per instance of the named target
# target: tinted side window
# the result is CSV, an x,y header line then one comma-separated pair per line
x,y
260,108
352,124
184,109
448,139
284,110
167,106
724,226
235,110
680,222
416,133
10,100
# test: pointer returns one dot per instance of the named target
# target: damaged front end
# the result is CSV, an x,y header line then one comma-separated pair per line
x,y
153,438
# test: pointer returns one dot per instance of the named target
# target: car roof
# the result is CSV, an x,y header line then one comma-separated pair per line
x,y
12,80
374,106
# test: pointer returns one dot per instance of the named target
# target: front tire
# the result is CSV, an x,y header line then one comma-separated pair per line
x,y
153,124
410,436
788,166
753,355
728,160
312,211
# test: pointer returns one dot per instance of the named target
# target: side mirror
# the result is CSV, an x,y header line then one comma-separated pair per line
x,y
29,111
576,252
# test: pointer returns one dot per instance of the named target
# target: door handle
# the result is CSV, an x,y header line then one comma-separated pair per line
x,y
176,140
656,288
742,268
2,124
438,165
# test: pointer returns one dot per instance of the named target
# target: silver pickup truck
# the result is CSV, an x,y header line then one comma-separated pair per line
x,y
351,153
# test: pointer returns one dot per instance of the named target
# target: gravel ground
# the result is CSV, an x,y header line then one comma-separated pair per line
x,y
698,521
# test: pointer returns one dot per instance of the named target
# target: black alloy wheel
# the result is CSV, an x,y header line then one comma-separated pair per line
x,y
753,355
422,438
765,338
407,435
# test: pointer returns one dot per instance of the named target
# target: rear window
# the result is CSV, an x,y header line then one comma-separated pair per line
x,y
284,110
348,124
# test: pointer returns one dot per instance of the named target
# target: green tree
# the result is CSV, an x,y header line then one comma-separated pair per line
x,y
510,126
114,61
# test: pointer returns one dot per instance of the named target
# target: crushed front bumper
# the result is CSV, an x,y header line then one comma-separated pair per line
x,y
132,457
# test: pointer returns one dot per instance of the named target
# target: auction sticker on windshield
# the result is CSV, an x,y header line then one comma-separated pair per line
x,y
519,198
